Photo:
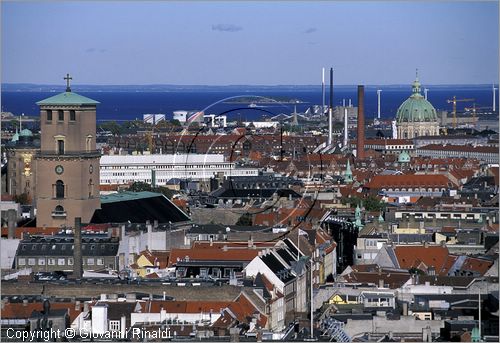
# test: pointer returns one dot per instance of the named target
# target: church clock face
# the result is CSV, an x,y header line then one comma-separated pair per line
x,y
91,169
59,169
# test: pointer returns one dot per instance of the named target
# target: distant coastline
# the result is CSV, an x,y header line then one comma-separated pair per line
x,y
29,87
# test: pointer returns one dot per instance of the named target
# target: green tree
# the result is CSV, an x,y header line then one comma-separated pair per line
x,y
22,199
370,203
175,122
139,186
112,126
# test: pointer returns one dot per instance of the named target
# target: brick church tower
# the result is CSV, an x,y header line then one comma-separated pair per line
x,y
67,166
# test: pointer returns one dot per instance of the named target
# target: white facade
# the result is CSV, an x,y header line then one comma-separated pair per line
x,y
124,169
180,317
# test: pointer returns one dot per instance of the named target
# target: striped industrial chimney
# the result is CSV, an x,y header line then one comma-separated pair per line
x,y
360,144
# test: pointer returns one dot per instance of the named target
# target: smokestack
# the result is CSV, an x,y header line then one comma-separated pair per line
x,y
11,223
494,99
77,253
330,111
378,102
360,146
346,132
323,90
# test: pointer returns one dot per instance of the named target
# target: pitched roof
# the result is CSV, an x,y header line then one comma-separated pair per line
x,y
137,207
215,254
410,256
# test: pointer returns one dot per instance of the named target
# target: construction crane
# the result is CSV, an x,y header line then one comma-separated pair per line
x,y
454,102
473,109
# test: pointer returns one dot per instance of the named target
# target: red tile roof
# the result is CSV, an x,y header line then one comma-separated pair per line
x,y
23,311
476,264
411,256
215,254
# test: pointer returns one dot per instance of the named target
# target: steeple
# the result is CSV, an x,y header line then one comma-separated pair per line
x,y
348,173
416,84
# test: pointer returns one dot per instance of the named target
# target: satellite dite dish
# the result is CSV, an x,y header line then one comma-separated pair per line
x,y
228,229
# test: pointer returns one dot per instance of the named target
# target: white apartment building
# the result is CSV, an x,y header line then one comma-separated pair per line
x,y
124,169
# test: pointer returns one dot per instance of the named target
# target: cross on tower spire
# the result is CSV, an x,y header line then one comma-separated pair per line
x,y
68,78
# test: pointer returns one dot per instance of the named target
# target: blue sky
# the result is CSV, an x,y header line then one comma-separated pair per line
x,y
221,43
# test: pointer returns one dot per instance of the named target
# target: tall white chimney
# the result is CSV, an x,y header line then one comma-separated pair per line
x,y
346,132
323,90
350,103
378,102
330,111
494,99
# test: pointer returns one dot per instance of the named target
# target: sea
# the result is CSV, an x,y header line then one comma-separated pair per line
x,y
129,104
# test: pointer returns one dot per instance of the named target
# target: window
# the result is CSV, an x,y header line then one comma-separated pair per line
x,y
21,261
114,325
51,261
72,115
49,115
59,190
41,261
91,189
203,272
70,261
90,261
60,115
31,261
60,147
88,143
100,262
61,261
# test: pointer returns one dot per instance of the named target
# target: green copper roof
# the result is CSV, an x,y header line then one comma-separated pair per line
x,y
67,98
25,133
404,157
15,137
416,108
126,196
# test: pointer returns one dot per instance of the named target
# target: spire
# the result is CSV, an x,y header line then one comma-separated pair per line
x,y
348,172
416,84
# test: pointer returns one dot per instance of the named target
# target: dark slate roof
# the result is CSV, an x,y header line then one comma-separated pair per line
x,y
137,207
62,245
277,267
286,256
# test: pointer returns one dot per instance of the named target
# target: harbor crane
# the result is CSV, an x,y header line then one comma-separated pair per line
x,y
454,102
473,109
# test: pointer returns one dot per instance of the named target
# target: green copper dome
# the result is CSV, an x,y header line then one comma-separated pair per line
x,y
416,108
25,133
404,157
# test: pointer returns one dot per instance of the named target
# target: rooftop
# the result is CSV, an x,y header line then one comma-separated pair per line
x,y
67,98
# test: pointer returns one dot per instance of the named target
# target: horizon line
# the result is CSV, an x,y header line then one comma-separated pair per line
x,y
232,85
